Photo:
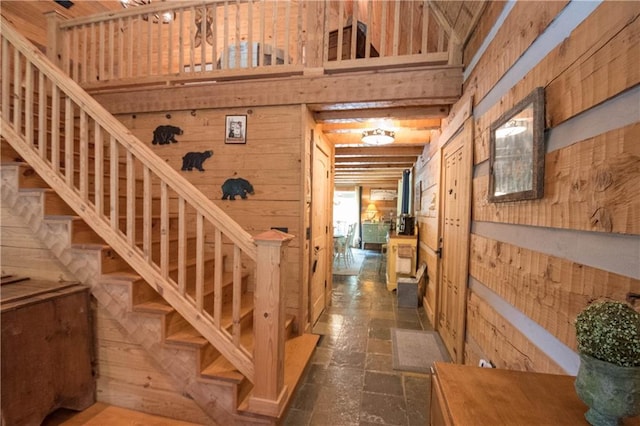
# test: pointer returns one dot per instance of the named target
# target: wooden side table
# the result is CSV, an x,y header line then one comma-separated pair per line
x,y
465,395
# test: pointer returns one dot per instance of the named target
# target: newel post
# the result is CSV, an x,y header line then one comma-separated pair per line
x,y
54,36
269,390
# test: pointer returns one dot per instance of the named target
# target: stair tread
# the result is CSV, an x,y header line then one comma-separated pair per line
x,y
297,353
191,335
222,369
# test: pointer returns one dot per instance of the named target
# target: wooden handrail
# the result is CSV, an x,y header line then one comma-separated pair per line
x,y
33,87
209,210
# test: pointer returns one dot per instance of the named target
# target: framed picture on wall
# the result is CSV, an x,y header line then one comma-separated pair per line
x,y
383,194
418,197
235,129
516,155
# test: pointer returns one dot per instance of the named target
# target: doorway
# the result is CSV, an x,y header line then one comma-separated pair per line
x,y
457,164
320,292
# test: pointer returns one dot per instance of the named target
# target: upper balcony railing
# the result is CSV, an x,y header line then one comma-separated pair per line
x,y
224,39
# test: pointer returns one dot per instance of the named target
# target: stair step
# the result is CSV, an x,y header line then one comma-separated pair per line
x,y
190,336
82,233
29,178
222,369
297,353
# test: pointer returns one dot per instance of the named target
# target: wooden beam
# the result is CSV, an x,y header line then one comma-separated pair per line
x,y
385,151
421,86
401,125
357,115
375,160
370,167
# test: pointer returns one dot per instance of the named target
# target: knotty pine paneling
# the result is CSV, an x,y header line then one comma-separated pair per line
x,y
21,253
590,186
549,290
128,377
567,72
505,346
272,160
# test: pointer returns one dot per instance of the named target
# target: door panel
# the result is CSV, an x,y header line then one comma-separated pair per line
x,y
320,267
457,163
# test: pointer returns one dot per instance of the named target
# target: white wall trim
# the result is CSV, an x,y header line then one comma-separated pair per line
x,y
615,253
619,111
559,29
564,356
488,39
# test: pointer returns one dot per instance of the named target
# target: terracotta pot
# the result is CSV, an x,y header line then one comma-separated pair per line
x,y
610,391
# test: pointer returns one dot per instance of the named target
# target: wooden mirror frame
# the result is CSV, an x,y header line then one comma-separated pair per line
x,y
518,174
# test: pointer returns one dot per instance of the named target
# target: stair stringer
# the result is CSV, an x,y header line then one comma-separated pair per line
x,y
209,395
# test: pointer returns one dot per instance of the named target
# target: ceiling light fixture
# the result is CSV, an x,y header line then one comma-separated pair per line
x,y
378,137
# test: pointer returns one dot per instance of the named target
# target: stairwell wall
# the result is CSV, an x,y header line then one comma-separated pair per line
x,y
271,160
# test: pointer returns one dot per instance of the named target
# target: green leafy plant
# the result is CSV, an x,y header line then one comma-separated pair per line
x,y
610,331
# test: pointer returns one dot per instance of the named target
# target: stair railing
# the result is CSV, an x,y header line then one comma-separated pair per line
x,y
149,214
199,40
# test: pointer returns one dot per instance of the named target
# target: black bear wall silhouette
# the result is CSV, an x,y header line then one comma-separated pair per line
x,y
163,135
195,159
237,186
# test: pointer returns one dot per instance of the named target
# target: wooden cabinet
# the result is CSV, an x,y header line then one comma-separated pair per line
x,y
346,43
46,350
464,395
402,251
374,233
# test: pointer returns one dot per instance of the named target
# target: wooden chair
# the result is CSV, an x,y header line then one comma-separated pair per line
x,y
340,251
349,242
383,256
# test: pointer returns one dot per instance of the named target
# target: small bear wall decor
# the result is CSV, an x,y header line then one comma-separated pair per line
x,y
164,135
195,159
236,186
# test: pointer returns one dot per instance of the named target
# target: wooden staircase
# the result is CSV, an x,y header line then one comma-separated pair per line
x,y
173,291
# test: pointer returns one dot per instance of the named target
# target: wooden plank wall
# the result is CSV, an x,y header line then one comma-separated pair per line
x,y
18,243
535,264
591,186
125,375
385,207
272,161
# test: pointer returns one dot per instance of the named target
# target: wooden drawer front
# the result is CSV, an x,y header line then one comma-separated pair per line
x,y
439,412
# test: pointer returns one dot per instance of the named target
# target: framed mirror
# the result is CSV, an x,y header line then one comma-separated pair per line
x,y
517,149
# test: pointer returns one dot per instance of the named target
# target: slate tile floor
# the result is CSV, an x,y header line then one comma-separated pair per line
x,y
350,380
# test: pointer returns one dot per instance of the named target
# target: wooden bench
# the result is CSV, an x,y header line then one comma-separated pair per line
x,y
410,289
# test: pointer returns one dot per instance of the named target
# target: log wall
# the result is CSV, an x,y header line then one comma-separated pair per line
x,y
535,264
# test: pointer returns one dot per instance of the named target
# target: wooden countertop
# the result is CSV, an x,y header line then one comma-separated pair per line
x,y
409,237
483,396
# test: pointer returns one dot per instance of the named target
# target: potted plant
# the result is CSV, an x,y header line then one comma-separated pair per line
x,y
608,380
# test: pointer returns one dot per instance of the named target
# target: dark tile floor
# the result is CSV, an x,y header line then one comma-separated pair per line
x,y
350,380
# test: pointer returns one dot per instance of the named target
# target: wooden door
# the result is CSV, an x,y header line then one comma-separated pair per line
x,y
457,163
321,253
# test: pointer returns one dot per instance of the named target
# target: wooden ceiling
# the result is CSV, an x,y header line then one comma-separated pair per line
x,y
356,163
341,124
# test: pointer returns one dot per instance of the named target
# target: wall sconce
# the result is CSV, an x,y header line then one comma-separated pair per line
x,y
372,211
378,137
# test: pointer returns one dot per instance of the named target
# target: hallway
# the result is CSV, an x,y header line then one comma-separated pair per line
x,y
350,380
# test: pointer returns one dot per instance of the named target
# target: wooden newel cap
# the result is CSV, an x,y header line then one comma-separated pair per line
x,y
273,235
